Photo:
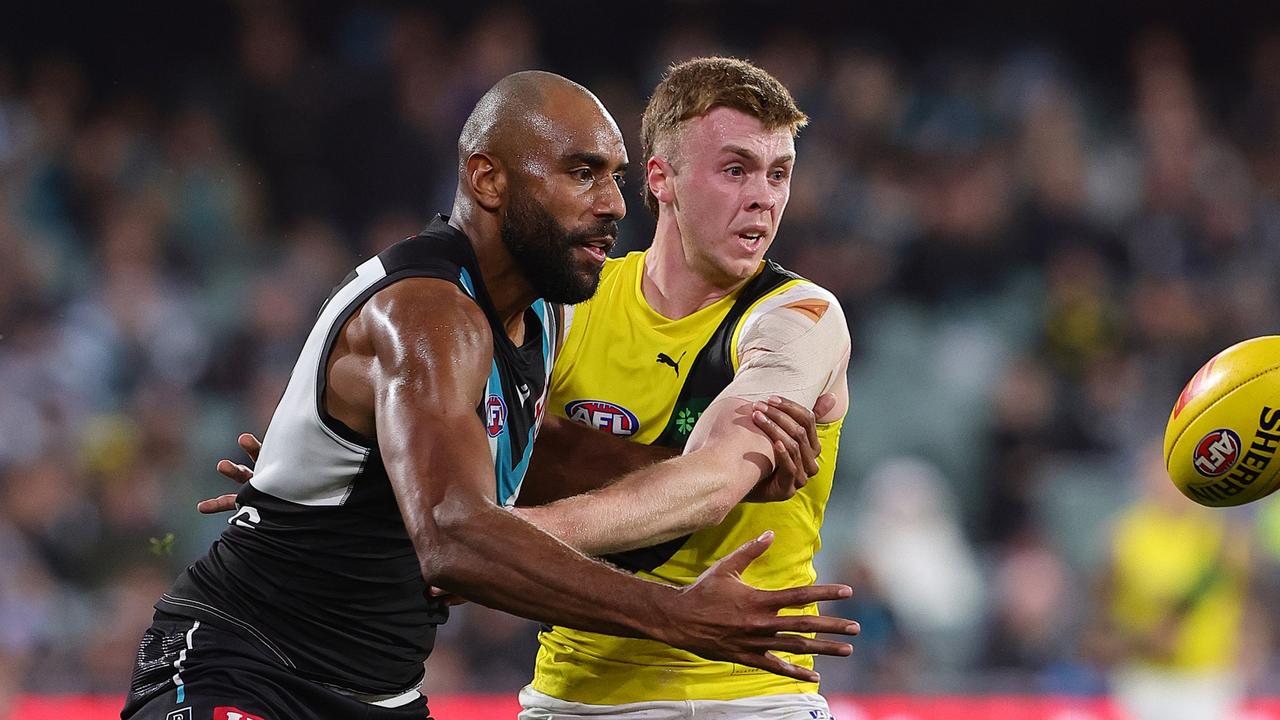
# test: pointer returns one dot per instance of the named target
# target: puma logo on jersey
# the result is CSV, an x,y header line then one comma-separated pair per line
x,y
665,359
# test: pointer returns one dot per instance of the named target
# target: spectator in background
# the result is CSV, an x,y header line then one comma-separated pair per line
x,y
914,550
1172,605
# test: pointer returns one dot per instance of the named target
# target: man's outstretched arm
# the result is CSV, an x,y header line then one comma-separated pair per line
x,y
424,375
727,454
570,459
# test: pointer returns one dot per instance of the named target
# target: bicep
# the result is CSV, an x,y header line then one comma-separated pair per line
x,y
428,375
786,352
430,448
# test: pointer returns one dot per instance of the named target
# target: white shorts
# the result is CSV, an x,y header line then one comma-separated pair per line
x,y
805,706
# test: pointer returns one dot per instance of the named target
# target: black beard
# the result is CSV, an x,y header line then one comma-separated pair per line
x,y
543,249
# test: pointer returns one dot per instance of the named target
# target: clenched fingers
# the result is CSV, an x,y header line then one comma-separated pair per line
x,y
786,452
804,420
781,426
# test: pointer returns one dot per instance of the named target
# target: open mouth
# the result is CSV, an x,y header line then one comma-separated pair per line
x,y
597,250
751,239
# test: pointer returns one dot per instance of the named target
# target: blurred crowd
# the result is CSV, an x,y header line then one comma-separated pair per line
x,y
1033,256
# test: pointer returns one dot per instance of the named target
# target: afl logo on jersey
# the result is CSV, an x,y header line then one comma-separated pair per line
x,y
495,415
1217,452
603,415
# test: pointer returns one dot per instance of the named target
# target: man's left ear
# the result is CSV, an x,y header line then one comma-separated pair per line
x,y
487,180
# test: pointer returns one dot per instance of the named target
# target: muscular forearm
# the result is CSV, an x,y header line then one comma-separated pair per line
x,y
493,558
653,505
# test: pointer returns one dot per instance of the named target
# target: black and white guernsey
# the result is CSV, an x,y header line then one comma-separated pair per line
x,y
316,565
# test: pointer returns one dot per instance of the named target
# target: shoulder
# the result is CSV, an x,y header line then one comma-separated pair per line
x,y
420,314
800,299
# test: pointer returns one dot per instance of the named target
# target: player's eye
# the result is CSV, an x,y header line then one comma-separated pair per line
x,y
735,171
619,179
779,175
583,174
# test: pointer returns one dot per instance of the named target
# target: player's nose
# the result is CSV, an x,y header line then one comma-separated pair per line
x,y
758,194
610,205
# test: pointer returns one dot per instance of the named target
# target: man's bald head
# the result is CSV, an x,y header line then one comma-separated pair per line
x,y
539,167
523,110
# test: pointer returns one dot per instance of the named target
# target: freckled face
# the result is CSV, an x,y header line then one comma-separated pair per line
x,y
731,184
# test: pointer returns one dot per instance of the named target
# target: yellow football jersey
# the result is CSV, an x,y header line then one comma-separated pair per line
x,y
628,370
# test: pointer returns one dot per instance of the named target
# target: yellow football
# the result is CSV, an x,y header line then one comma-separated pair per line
x,y
1224,432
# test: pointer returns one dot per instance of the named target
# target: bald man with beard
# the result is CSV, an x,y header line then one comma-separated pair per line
x,y
405,429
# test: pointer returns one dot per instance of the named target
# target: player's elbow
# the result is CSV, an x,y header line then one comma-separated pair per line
x,y
442,544
718,508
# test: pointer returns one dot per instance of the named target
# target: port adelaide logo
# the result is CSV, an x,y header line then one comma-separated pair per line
x,y
1217,452
603,415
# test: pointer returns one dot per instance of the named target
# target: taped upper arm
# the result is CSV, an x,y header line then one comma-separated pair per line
x,y
795,345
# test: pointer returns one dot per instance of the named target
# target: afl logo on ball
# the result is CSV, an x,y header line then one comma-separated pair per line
x,y
603,415
495,415
1217,452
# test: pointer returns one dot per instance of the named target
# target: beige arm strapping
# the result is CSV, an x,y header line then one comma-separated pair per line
x,y
786,352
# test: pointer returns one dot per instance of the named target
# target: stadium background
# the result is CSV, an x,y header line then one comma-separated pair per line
x,y
1040,221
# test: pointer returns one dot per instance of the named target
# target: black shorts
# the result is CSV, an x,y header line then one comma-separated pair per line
x,y
191,670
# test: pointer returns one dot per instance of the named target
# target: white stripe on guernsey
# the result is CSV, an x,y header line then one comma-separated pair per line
x,y
182,657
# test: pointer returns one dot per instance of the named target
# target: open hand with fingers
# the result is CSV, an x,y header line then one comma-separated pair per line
x,y
720,617
233,471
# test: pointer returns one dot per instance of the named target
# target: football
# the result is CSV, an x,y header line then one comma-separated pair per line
x,y
1223,434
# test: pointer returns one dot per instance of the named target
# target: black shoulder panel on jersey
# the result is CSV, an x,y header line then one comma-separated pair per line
x,y
710,373
439,251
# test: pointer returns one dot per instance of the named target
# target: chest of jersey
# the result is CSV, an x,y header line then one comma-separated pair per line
x,y
625,374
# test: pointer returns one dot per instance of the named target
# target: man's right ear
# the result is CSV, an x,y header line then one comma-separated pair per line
x,y
658,174
487,181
